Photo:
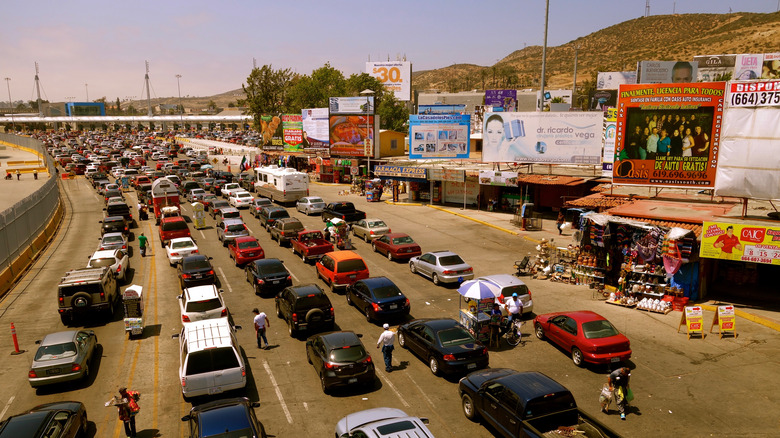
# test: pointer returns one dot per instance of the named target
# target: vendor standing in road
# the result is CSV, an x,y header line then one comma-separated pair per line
x,y
618,383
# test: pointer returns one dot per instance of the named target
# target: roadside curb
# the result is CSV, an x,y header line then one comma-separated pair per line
x,y
515,233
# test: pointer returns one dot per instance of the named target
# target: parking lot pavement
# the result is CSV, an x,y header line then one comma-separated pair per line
x,y
13,190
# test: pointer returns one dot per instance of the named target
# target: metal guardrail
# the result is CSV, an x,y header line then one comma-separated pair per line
x,y
23,222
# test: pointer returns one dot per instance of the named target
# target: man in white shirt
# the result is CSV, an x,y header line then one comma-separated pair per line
x,y
514,307
261,323
386,340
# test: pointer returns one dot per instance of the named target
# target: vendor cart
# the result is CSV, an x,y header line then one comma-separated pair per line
x,y
374,190
476,302
133,304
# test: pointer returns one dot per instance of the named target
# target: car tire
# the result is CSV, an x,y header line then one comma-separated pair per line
x,y
433,364
539,331
402,340
303,257
83,426
349,299
279,239
278,311
325,389
365,237
468,407
290,329
389,256
162,243
313,314
368,314
412,268
435,279
373,246
85,377
576,357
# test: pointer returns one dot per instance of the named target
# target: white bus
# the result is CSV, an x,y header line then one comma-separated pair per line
x,y
282,184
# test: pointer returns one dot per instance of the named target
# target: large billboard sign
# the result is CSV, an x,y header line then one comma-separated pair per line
x,y
668,135
543,137
666,72
715,67
439,136
501,100
292,132
314,122
351,136
351,105
747,243
611,80
396,76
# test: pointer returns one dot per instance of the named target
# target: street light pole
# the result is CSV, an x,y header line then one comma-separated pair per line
x,y
181,107
10,103
86,87
367,143
544,51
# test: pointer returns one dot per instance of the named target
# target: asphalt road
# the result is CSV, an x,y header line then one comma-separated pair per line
x,y
683,387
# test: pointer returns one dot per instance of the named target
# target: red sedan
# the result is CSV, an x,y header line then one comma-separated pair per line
x,y
586,335
396,246
245,249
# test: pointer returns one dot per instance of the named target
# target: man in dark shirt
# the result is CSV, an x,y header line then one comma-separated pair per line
x,y
634,140
618,382
701,143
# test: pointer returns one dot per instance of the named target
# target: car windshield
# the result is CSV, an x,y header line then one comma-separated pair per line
x,y
351,265
204,305
231,214
195,264
310,301
248,244
316,200
454,336
214,359
99,263
387,292
113,239
183,244
276,268
59,351
376,224
519,289
599,329
451,260
235,228
402,240
352,353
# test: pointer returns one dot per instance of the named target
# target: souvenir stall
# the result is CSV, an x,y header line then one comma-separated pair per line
x,y
645,266
374,189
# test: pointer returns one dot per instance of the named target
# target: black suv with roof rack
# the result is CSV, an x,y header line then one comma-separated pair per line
x,y
305,307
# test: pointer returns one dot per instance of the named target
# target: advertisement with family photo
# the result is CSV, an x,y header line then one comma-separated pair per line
x,y
439,136
314,122
668,134
542,137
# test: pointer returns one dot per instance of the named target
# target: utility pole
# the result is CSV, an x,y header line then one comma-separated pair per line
x,y
181,107
10,102
86,87
544,53
38,90
647,8
148,92
574,86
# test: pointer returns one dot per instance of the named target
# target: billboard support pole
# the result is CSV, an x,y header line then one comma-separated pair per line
x,y
544,53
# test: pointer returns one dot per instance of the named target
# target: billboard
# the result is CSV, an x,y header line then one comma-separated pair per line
x,y
610,133
501,100
682,152
771,67
743,242
351,136
314,123
351,105
271,133
666,72
611,80
441,109
600,100
748,67
292,132
396,76
439,136
543,137
715,67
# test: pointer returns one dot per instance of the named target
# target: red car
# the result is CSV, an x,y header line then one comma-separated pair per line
x,y
245,249
396,246
586,335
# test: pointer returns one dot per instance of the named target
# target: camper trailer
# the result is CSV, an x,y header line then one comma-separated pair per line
x,y
282,184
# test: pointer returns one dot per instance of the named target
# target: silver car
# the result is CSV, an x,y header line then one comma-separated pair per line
x,y
113,241
201,302
229,229
370,229
310,204
62,357
441,267
382,422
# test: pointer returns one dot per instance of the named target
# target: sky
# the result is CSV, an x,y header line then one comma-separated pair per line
x,y
88,49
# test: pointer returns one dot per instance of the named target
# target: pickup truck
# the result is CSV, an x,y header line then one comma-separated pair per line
x,y
310,245
230,188
525,404
342,210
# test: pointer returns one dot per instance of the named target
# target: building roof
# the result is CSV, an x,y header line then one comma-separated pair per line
x,y
599,201
550,180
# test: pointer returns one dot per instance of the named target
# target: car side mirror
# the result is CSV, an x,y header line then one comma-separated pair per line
x,y
255,404
175,335
237,327
221,290
210,258
178,297
425,420
38,342
185,418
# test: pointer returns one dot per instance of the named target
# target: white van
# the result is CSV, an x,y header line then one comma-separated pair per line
x,y
209,358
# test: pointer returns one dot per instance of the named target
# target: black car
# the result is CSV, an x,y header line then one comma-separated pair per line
x,y
230,417
304,307
378,298
206,183
114,224
66,419
445,344
339,359
216,187
97,176
268,276
222,174
269,215
196,270
112,194
216,205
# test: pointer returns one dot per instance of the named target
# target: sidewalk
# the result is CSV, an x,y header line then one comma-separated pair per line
x,y
13,191
502,222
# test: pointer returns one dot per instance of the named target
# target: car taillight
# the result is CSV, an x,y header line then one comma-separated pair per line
x,y
183,382
174,253
243,372
448,272
289,278
185,318
328,365
32,374
118,269
469,270
102,295
367,360
124,246
376,307
211,272
294,317
185,276
331,311
485,351
449,357
194,251
75,367
260,281
406,303
62,300
224,312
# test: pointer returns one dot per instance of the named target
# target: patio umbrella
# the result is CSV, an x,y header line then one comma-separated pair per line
x,y
479,289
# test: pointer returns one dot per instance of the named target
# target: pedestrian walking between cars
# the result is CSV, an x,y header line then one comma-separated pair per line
x,y
261,323
386,340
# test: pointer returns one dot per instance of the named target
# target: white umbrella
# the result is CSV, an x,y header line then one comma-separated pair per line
x,y
479,289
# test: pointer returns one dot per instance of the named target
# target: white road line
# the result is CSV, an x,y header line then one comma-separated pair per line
x,y
249,229
230,288
383,376
278,392
430,403
7,405
294,277
202,234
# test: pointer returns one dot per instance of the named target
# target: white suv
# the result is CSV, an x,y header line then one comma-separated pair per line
x,y
210,361
201,302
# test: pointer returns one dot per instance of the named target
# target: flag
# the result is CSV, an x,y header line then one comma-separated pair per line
x,y
244,164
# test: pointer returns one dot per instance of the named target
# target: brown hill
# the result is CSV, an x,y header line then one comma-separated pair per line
x,y
616,48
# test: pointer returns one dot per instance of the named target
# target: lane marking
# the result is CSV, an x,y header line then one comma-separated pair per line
x,y
390,384
227,283
7,405
202,234
278,391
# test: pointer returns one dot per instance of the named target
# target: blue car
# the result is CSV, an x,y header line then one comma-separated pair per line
x,y
234,417
378,298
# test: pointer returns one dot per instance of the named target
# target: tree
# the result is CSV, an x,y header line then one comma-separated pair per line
x,y
313,91
393,114
212,106
265,91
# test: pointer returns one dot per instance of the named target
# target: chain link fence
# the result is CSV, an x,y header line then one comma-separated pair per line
x,y
23,222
